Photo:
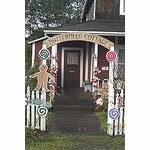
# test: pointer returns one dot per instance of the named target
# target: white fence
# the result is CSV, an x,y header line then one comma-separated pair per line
x,y
116,114
33,117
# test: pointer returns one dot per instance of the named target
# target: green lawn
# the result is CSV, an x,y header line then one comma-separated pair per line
x,y
38,140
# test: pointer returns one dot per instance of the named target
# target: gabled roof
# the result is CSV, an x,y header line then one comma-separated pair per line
x,y
86,8
94,25
39,39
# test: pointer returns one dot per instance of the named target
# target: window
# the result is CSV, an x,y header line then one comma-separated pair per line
x,y
121,62
122,7
72,58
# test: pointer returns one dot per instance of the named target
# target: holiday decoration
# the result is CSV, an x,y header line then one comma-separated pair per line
x,y
47,104
42,111
99,101
114,113
111,56
103,90
120,101
44,54
37,102
42,77
94,95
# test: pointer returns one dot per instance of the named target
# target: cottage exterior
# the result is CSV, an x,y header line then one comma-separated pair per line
x,y
78,50
76,58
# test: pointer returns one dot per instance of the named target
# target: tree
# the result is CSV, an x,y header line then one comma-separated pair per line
x,y
40,14
50,13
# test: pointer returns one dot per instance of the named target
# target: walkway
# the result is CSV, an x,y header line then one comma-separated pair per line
x,y
74,113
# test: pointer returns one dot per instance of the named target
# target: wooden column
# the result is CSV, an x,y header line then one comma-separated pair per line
x,y
95,60
87,61
33,53
54,53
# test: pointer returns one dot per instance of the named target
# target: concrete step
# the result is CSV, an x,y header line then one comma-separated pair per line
x,y
73,107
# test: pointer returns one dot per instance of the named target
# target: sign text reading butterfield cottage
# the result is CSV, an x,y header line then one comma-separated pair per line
x,y
80,37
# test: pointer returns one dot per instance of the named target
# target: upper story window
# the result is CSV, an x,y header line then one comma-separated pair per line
x,y
122,7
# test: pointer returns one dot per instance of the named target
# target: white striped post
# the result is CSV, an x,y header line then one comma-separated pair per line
x,y
43,119
121,117
95,59
37,116
28,106
116,121
110,96
32,110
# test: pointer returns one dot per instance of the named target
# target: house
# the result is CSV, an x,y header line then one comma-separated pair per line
x,y
82,47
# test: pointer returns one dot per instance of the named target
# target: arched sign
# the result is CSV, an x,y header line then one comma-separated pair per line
x,y
78,36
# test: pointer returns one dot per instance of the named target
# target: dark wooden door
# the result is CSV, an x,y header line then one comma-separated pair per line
x,y
72,69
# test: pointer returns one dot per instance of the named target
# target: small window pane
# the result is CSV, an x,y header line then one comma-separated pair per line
x,y
121,58
72,58
121,70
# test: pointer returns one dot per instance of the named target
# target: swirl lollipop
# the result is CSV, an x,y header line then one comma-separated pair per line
x,y
42,111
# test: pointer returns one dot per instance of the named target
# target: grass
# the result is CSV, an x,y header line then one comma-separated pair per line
x,y
52,141
102,117
39,140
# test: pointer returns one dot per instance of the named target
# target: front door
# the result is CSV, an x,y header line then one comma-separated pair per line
x,y
72,68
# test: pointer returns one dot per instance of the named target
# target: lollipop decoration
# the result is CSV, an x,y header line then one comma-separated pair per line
x,y
44,54
42,111
114,113
111,56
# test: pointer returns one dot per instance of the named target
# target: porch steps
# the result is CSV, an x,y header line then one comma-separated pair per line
x,y
74,113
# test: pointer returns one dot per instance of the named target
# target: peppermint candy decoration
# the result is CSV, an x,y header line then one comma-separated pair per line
x,y
114,113
44,54
111,56
42,111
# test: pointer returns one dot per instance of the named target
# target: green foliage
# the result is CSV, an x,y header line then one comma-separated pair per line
x,y
32,82
51,13
28,54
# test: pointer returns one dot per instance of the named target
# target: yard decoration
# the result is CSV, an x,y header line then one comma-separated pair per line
x,y
55,57
94,95
99,101
42,77
47,104
103,90
111,56
114,113
120,101
44,54
42,111
37,102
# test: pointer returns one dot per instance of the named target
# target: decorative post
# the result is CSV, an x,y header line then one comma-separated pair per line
x,y
110,95
28,106
43,111
95,58
53,70
32,110
37,116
